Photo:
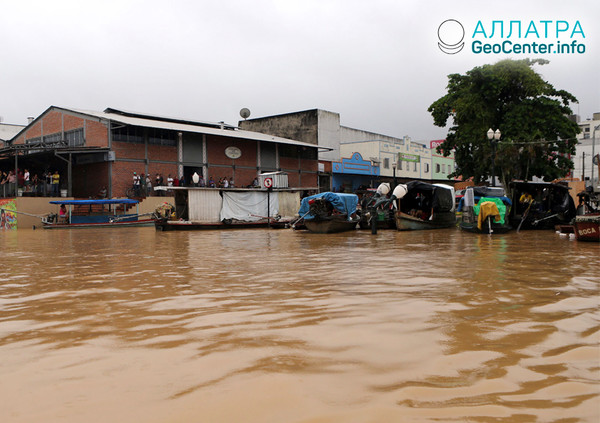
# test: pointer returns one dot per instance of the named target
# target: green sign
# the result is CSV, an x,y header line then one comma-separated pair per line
x,y
409,157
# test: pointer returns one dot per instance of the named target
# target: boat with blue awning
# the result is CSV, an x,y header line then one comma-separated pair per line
x,y
329,212
100,213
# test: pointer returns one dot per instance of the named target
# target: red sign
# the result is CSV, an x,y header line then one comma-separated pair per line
x,y
435,143
268,182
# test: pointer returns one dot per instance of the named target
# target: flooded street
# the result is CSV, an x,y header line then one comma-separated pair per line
x,y
280,326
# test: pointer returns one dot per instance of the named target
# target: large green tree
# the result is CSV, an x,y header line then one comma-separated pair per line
x,y
537,135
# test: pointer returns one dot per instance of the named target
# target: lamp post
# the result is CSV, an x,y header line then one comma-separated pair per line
x,y
394,168
594,153
493,136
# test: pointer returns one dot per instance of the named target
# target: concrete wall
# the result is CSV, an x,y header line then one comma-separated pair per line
x,y
299,126
329,134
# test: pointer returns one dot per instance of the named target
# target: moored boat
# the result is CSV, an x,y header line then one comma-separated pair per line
x,y
587,227
540,205
329,212
424,206
107,213
376,205
485,210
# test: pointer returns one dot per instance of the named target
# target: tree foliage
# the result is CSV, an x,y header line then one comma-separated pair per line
x,y
537,135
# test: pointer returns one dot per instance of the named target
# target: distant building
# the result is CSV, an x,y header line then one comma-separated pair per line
x,y
586,148
379,156
93,149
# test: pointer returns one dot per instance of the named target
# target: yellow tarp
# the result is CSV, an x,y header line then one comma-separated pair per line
x,y
487,208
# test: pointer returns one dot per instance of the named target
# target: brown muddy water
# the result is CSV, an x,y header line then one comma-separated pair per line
x,y
133,325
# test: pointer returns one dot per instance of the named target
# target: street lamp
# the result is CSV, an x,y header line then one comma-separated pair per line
x,y
594,153
394,168
493,136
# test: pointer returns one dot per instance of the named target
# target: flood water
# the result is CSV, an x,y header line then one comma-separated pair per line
x,y
133,325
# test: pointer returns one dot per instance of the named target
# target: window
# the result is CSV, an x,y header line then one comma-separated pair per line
x,y
52,138
399,164
415,166
162,137
437,168
386,163
75,138
128,134
426,167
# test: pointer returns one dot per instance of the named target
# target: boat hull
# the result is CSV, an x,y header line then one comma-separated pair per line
x,y
406,222
128,224
587,228
175,225
330,226
485,228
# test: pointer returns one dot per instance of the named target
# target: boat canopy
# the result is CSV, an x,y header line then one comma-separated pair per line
x,y
344,203
473,196
91,202
442,196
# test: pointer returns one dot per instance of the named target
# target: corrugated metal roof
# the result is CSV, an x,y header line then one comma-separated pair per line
x,y
189,127
7,131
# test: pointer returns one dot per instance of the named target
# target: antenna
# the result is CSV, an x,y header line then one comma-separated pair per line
x,y
245,113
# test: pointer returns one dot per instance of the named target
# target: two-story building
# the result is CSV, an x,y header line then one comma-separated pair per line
x,y
92,150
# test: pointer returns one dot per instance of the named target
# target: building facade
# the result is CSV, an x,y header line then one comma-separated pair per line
x,y
390,155
588,146
92,150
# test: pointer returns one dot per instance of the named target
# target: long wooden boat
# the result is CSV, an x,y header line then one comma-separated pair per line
x,y
164,224
540,205
110,213
484,210
424,206
329,212
587,227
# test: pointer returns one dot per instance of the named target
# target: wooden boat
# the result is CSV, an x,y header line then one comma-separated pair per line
x,y
485,210
375,204
164,224
329,212
424,206
110,213
587,227
540,205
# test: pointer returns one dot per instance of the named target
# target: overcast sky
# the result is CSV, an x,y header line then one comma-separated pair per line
x,y
377,63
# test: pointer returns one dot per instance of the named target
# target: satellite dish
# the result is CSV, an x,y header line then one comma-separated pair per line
x,y
245,113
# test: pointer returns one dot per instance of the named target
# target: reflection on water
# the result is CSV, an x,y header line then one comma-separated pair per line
x,y
256,325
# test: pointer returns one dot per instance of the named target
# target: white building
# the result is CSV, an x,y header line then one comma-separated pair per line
x,y
587,147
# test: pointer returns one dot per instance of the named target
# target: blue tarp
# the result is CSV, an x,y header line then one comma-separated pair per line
x,y
88,202
344,203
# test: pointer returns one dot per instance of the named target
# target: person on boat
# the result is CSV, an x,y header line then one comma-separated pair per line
x,y
525,198
62,214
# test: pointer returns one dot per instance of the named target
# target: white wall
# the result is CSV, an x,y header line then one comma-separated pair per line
x,y
328,134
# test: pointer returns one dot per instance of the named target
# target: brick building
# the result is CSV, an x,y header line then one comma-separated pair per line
x,y
92,150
